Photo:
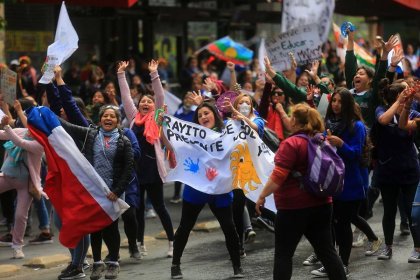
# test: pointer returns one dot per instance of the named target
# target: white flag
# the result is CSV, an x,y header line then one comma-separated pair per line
x,y
65,44
261,54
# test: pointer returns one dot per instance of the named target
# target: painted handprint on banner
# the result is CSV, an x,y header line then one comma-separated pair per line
x,y
191,166
211,173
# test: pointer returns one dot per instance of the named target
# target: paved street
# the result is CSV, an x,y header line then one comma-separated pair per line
x,y
206,256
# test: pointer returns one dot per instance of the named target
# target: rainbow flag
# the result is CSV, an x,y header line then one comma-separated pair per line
x,y
363,56
229,50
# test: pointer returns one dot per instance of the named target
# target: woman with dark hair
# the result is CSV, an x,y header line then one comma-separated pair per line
x,y
193,202
151,168
347,132
397,169
110,153
99,99
298,211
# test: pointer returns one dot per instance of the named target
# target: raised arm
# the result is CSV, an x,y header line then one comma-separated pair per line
x,y
127,101
265,100
53,98
156,84
231,66
350,65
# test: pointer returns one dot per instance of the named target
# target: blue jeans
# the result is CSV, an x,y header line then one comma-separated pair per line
x,y
43,211
78,254
415,212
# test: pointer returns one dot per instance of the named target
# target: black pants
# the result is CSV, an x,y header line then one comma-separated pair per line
x,y
315,224
177,190
130,227
390,196
155,193
189,217
347,213
112,239
238,205
7,201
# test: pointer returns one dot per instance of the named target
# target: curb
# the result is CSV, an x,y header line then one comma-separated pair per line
x,y
7,270
162,234
47,261
207,226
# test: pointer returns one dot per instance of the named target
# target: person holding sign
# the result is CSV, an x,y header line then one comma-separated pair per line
x,y
194,201
152,170
298,211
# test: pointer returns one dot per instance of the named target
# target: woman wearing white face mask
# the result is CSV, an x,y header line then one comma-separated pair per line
x,y
243,110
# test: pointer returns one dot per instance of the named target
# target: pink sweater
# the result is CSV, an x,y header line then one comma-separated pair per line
x,y
33,148
131,112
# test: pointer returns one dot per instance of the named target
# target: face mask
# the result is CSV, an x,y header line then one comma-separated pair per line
x,y
245,109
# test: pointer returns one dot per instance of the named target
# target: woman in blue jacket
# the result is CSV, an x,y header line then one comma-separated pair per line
x,y
347,133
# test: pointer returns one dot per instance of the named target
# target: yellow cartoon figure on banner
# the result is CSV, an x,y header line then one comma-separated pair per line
x,y
242,168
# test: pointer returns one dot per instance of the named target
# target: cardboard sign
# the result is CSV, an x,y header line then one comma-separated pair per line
x,y
8,80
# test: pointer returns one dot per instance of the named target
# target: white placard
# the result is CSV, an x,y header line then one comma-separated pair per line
x,y
303,12
304,42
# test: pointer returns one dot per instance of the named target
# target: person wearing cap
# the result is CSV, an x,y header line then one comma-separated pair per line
x,y
27,78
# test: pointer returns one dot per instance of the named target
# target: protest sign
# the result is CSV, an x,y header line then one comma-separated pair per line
x,y
304,42
8,85
216,163
65,43
304,12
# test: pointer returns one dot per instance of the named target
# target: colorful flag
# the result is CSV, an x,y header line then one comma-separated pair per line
x,y
363,56
75,189
216,163
229,50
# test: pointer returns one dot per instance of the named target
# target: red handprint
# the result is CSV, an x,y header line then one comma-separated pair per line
x,y
211,173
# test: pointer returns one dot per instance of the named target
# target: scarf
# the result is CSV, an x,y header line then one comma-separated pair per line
x,y
275,123
151,129
337,126
15,152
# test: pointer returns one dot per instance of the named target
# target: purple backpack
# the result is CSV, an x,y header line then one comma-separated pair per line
x,y
325,174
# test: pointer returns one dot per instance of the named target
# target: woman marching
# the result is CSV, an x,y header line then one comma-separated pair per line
x,y
299,212
110,153
193,202
150,166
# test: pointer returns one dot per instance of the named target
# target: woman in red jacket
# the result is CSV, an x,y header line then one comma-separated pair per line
x,y
299,212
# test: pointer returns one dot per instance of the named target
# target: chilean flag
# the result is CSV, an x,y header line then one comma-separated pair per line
x,y
76,191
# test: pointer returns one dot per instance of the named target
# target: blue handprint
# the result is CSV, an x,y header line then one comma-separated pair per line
x,y
191,166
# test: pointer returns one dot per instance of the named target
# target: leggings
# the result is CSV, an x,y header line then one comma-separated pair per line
x,y
155,193
390,195
189,217
130,227
315,224
111,237
7,201
23,202
346,213
238,213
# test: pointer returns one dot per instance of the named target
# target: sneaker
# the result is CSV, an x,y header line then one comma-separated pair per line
x,y
150,214
386,253
346,270
97,270
415,257
143,250
176,272
73,273
359,240
373,247
311,260
86,265
242,253
43,238
18,253
170,249
6,240
405,229
112,271
175,200
67,269
250,236
238,272
268,224
135,253
320,272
